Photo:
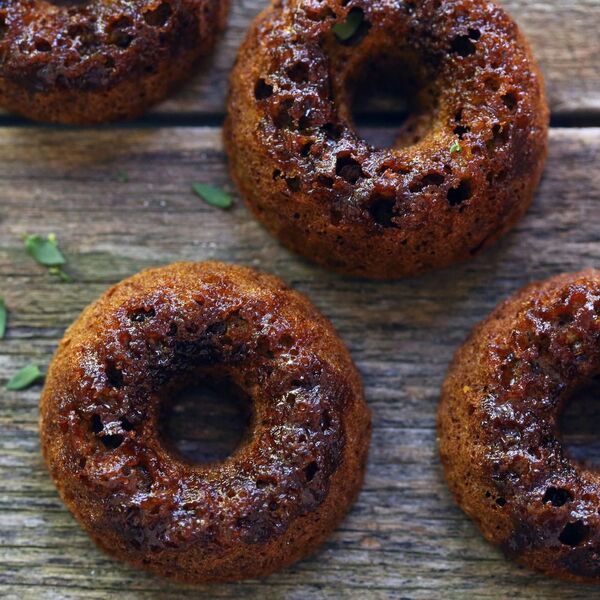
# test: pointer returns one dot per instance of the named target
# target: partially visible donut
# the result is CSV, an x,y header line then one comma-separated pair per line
x,y
465,166
278,496
90,61
499,438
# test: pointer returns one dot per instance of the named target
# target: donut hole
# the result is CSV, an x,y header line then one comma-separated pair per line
x,y
431,179
311,470
326,420
463,45
139,315
299,72
42,45
492,82
118,34
557,496
264,481
461,131
96,425
510,101
381,210
500,136
574,534
158,16
578,424
348,168
333,131
306,148
112,441
460,194
205,420
107,437
392,87
114,375
126,424
262,90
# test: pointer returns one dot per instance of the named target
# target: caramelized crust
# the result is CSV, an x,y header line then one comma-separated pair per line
x,y
282,491
499,439
465,166
99,60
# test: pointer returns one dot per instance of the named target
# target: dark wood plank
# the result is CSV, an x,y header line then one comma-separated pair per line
x,y
405,538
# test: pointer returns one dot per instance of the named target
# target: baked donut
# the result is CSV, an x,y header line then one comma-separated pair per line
x,y
91,61
464,167
284,489
499,439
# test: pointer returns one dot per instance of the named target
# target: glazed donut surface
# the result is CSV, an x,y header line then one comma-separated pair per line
x,y
288,484
465,165
500,442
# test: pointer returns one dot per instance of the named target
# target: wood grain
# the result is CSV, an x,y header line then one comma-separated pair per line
x,y
405,538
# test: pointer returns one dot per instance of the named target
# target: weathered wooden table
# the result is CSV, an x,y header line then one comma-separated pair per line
x,y
404,538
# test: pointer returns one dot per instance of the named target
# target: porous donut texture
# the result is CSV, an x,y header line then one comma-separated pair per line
x,y
285,488
499,439
465,166
91,61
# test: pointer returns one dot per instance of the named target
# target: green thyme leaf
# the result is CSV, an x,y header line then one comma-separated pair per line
x,y
123,176
3,314
44,251
212,195
60,273
25,378
456,147
344,31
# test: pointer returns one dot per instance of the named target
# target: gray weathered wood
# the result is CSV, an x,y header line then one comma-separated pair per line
x,y
405,538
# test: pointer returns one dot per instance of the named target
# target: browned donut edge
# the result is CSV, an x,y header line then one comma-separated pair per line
x,y
304,535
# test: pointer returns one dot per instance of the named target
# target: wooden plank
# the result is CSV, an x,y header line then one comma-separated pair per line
x,y
405,538
563,35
